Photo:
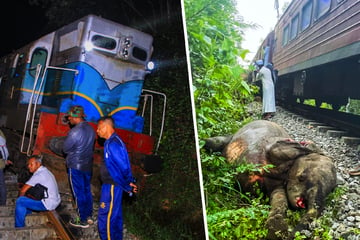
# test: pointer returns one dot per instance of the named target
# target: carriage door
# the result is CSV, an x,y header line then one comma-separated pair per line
x,y
38,60
32,87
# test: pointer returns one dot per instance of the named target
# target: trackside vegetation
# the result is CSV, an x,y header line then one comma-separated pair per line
x,y
221,95
222,98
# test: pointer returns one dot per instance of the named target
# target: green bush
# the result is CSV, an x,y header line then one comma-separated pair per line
x,y
221,94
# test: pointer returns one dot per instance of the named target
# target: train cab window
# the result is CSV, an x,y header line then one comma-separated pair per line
x,y
139,53
285,38
323,6
39,56
306,15
103,42
294,27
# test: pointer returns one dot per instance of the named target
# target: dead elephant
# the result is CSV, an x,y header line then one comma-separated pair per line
x,y
302,175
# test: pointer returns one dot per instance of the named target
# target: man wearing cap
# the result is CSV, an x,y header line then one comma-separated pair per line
x,y
268,92
79,147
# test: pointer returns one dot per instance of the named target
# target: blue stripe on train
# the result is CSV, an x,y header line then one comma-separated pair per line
x,y
88,89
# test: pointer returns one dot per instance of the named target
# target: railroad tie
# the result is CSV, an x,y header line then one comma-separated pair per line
x,y
37,224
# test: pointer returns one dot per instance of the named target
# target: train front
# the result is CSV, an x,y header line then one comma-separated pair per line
x,y
100,65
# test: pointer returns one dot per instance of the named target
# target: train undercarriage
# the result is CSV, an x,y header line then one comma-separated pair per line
x,y
336,84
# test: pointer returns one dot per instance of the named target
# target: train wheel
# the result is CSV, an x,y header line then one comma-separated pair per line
x,y
336,106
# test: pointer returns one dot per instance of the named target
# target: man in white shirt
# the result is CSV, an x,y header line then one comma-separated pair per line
x,y
268,99
25,205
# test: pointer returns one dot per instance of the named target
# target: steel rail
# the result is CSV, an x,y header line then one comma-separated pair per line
x,y
341,120
63,232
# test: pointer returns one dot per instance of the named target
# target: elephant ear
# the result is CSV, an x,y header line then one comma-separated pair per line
x,y
285,150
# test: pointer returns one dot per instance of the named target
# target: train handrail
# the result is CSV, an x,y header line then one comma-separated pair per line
x,y
146,96
163,115
38,70
28,112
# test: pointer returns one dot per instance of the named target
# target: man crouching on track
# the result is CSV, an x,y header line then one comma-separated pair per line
x,y
25,205
116,177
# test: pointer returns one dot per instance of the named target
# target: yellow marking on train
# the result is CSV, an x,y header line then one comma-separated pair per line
x,y
66,93
83,96
122,108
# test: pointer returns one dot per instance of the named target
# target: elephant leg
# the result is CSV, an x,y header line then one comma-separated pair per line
x,y
276,225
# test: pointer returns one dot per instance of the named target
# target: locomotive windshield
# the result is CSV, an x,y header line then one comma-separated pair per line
x,y
103,42
139,53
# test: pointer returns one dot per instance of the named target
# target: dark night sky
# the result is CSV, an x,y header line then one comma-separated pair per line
x,y
20,24
24,24
27,23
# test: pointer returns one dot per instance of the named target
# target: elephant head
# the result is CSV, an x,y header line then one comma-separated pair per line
x,y
311,178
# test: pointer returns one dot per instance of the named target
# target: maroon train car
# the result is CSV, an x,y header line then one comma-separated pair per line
x,y
315,49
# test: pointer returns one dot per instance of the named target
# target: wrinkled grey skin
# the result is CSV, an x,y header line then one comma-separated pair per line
x,y
302,177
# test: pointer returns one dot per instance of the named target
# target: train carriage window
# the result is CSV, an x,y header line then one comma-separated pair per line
x,y
306,15
285,38
294,27
323,6
39,56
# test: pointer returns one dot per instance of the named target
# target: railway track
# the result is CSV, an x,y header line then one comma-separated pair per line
x,y
52,224
349,123
49,225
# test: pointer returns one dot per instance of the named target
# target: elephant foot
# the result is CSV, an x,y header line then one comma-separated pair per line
x,y
277,227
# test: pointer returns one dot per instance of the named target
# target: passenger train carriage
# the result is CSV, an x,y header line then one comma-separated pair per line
x,y
315,49
92,62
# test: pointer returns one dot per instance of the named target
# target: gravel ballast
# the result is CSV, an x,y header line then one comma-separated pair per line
x,y
344,211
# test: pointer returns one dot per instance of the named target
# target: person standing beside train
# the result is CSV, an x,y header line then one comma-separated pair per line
x,y
78,148
4,154
268,91
116,177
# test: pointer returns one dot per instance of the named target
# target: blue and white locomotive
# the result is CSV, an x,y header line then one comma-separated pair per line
x,y
92,62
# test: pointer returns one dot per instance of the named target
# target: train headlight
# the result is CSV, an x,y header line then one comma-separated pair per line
x,y
150,66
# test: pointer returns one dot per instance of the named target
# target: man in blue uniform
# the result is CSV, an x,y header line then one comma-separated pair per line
x,y
116,177
79,149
